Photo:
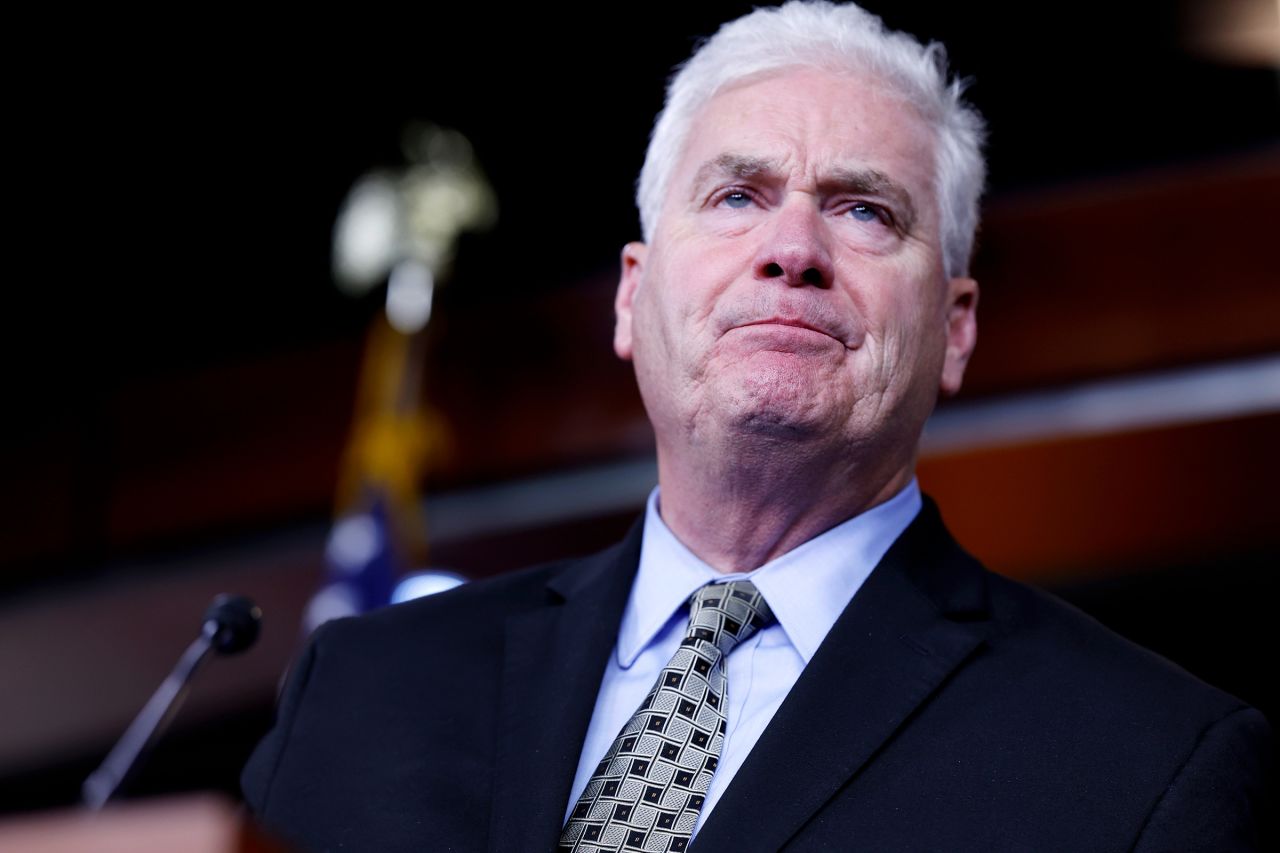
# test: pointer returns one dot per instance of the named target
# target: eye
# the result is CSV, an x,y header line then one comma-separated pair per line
x,y
864,212
736,199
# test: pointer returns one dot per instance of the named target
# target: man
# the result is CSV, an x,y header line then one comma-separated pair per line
x,y
809,200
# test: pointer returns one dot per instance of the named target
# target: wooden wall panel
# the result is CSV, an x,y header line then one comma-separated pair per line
x,y
1070,509
1129,275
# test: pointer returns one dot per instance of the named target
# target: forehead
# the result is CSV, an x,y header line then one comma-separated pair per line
x,y
811,122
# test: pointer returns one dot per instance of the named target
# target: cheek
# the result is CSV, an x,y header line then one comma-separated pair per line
x,y
901,321
923,345
646,331
684,289
656,320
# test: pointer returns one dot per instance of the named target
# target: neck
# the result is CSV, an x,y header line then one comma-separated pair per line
x,y
738,510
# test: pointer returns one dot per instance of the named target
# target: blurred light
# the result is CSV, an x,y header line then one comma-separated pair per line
x,y
424,142
353,542
366,235
421,584
332,602
413,214
409,293
1243,32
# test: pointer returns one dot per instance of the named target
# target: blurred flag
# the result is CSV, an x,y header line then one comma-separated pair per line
x,y
399,229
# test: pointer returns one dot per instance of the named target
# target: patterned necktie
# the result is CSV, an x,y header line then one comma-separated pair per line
x,y
648,790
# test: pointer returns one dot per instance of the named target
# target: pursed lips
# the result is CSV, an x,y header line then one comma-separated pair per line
x,y
794,323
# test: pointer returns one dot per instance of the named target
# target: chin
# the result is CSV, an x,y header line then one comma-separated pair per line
x,y
775,427
790,410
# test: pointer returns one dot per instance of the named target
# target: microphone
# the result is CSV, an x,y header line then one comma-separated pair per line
x,y
230,625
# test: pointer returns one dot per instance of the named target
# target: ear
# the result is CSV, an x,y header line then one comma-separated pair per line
x,y
962,332
633,256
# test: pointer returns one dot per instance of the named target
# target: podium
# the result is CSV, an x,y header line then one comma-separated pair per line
x,y
203,823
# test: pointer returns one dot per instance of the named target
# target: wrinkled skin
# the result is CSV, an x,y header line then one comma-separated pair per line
x,y
791,322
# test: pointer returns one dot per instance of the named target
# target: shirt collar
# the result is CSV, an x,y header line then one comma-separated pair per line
x,y
807,588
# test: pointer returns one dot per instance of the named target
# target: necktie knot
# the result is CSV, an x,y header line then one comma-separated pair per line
x,y
726,614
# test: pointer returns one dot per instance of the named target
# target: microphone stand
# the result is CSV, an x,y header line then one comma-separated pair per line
x,y
136,742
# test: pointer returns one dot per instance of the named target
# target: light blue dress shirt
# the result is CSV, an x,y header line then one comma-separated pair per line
x,y
807,588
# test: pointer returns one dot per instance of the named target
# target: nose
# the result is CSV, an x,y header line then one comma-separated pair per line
x,y
795,249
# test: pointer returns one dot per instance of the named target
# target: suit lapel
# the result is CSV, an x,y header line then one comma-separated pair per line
x,y
919,615
554,659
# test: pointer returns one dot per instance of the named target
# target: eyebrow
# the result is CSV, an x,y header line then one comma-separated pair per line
x,y
733,166
871,182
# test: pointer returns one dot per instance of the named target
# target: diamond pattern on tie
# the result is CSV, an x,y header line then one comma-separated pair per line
x,y
647,792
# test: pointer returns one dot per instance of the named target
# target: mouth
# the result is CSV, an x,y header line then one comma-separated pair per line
x,y
792,323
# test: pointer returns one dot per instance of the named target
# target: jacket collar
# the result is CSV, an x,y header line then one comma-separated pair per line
x,y
919,616
555,657
922,612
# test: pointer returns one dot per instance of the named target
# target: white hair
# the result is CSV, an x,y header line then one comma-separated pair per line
x,y
841,39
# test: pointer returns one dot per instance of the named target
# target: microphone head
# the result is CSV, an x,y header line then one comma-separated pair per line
x,y
233,621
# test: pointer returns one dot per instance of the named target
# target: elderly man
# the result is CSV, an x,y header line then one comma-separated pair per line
x,y
791,652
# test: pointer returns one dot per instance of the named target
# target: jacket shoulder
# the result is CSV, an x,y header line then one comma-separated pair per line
x,y
472,607
1080,653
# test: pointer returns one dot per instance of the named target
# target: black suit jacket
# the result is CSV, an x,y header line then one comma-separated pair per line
x,y
948,709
